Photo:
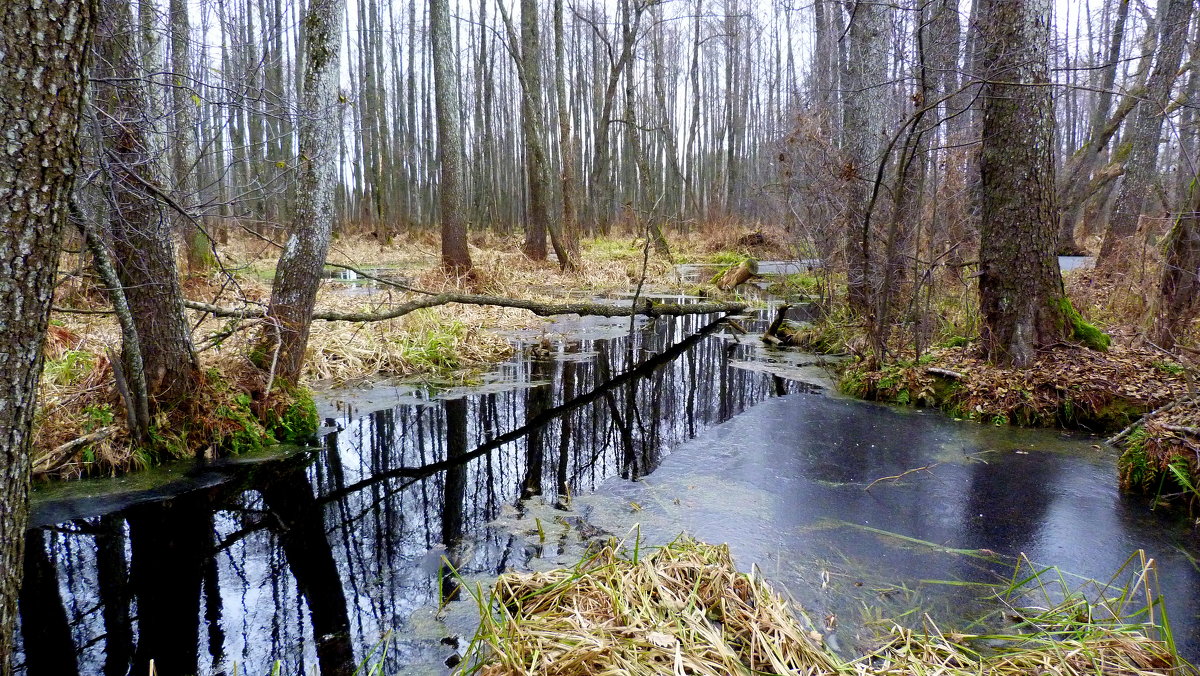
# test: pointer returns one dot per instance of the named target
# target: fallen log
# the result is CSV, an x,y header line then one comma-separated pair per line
x,y
738,275
645,307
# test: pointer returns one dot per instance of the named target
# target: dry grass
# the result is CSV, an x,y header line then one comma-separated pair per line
x,y
684,609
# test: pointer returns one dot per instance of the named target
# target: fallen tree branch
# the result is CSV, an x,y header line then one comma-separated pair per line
x,y
1191,431
63,453
901,475
1119,436
649,365
645,307
947,373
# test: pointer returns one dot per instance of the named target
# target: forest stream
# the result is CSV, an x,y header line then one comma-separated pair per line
x,y
317,560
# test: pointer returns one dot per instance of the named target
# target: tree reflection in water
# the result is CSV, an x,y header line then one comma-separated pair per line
x,y
311,559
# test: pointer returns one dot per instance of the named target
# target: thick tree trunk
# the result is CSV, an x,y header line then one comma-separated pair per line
x,y
1135,196
142,242
43,83
455,256
298,272
1020,287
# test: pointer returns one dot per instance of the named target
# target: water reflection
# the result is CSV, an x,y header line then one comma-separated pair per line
x,y
310,561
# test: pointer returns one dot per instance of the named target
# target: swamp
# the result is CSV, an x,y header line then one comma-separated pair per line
x,y
385,338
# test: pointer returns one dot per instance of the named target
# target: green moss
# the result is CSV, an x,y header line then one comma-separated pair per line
x,y
1169,367
955,341
1082,331
298,420
1137,474
726,258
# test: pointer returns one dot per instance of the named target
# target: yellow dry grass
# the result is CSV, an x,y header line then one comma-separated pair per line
x,y
685,609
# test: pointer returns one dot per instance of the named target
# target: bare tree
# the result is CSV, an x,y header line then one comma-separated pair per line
x,y
1137,191
298,272
43,78
455,256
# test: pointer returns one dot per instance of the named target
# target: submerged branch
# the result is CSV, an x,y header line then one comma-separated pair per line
x,y
645,307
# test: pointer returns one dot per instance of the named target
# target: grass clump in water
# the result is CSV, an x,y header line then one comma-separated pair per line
x,y
682,608
685,609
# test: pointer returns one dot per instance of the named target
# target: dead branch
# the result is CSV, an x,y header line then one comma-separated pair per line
x,y
1191,431
63,453
901,475
645,307
947,373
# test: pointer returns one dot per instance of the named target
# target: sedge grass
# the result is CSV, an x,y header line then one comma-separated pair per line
x,y
685,609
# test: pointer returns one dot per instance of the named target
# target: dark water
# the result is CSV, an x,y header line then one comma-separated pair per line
x,y
321,560
313,558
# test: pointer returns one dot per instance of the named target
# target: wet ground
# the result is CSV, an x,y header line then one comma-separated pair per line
x,y
322,559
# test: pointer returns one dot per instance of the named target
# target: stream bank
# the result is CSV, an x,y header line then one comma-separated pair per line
x,y
321,559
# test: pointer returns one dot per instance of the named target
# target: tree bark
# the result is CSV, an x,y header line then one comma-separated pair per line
x,y
142,241
456,259
43,82
1020,287
862,138
184,104
298,272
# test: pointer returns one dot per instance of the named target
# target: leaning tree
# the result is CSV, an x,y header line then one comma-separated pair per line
x,y
43,47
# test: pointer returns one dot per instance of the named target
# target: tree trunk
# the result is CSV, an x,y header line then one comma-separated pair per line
x,y
566,142
1135,196
862,134
1083,162
298,272
142,241
1020,287
456,259
183,147
39,122
1179,288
